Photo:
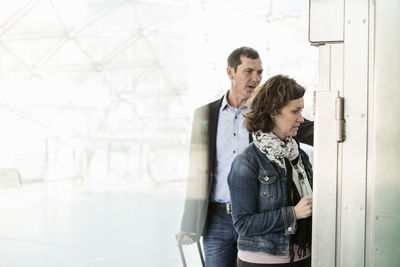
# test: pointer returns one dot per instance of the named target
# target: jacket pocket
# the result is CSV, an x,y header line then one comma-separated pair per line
x,y
268,183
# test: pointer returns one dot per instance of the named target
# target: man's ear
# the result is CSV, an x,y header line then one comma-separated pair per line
x,y
230,71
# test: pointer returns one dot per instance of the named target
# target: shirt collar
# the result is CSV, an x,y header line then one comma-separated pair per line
x,y
225,104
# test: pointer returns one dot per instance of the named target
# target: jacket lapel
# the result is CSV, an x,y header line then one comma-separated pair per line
x,y
213,125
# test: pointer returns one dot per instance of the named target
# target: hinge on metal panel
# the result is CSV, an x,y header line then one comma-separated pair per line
x,y
341,131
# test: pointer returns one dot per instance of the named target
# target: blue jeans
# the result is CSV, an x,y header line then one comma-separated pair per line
x,y
220,240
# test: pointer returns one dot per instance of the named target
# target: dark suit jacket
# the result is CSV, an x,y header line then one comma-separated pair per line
x,y
202,165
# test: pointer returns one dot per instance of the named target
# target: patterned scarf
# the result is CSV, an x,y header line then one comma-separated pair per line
x,y
276,149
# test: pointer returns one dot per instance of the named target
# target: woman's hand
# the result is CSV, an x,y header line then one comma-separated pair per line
x,y
303,209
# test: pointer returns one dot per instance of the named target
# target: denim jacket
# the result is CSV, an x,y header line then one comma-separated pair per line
x,y
260,211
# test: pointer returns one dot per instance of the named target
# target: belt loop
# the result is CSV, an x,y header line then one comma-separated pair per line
x,y
228,208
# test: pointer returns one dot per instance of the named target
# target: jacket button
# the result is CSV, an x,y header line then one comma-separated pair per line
x,y
266,178
290,229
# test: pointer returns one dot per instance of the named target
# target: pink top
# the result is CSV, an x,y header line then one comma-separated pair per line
x,y
264,258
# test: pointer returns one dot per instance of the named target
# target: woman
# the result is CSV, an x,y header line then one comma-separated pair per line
x,y
270,182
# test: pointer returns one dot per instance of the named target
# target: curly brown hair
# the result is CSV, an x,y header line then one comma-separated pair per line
x,y
268,100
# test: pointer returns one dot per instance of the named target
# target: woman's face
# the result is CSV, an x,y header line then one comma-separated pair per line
x,y
287,122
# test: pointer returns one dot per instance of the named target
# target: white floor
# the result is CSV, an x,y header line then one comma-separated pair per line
x,y
72,223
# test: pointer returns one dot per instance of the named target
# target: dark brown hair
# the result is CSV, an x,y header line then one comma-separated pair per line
x,y
268,100
234,58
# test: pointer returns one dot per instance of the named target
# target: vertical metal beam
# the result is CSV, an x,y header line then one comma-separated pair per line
x,y
354,148
325,180
383,213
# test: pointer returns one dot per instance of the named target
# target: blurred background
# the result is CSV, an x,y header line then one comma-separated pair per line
x,y
96,105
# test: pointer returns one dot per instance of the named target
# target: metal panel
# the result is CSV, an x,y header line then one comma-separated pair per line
x,y
336,82
324,68
367,183
331,67
370,217
326,21
325,180
387,107
352,235
386,243
383,233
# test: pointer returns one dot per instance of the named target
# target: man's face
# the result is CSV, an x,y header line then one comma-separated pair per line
x,y
246,77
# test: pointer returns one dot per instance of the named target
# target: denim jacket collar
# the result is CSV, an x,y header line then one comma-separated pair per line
x,y
281,171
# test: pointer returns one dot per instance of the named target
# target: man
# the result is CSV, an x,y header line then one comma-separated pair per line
x,y
218,135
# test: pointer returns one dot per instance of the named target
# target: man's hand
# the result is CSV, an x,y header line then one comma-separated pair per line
x,y
185,238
